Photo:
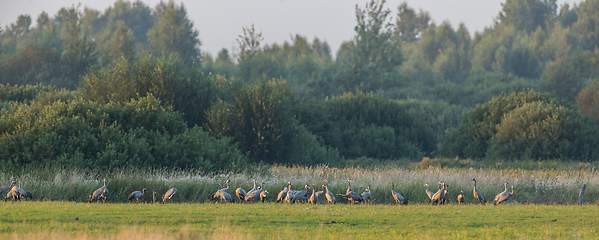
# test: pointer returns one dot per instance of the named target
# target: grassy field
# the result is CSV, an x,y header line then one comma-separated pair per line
x,y
70,220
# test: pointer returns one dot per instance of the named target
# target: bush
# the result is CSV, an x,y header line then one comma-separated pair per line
x,y
259,118
588,101
363,125
525,125
81,134
188,92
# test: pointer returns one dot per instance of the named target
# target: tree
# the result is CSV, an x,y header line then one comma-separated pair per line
x,y
259,119
249,43
409,25
78,49
136,15
173,33
373,56
587,26
249,48
527,15
588,101
121,43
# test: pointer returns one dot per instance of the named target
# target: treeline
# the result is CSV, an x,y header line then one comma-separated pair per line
x,y
107,90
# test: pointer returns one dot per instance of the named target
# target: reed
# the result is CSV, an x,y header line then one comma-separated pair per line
x,y
558,184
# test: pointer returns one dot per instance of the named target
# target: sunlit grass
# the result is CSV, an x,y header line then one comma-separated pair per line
x,y
64,220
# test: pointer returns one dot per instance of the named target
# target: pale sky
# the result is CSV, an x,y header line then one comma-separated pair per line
x,y
220,21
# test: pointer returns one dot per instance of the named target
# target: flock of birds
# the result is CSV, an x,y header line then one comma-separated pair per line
x,y
287,194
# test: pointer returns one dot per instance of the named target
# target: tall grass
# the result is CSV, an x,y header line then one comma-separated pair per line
x,y
544,183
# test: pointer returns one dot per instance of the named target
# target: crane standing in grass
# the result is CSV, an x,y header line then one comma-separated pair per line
x,y
283,193
398,197
24,193
477,195
502,196
461,197
168,196
100,193
313,198
252,195
350,195
438,196
137,195
329,195
428,193
366,195
263,195
227,188
5,189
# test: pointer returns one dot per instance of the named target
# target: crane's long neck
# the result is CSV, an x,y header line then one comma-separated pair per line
x,y
512,190
427,188
505,187
227,184
19,183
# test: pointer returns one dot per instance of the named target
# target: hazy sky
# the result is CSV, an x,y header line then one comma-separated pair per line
x,y
220,21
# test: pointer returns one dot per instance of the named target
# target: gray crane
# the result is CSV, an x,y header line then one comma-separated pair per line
x,y
502,196
366,195
461,197
137,195
445,193
398,197
252,195
301,196
349,189
439,195
240,193
290,194
24,193
222,195
328,194
313,198
5,189
168,196
477,195
100,193
227,188
263,195
283,193
428,193
350,195
14,193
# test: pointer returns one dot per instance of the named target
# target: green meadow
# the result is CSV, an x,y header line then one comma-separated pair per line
x,y
70,220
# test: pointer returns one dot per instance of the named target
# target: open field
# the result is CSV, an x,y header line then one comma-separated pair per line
x,y
69,220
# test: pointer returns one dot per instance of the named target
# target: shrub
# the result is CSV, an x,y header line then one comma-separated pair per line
x,y
81,134
188,92
364,125
525,125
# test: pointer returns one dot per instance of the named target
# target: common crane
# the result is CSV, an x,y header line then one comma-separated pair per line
x,y
477,195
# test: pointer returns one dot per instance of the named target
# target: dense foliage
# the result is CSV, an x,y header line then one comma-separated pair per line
x,y
397,89
524,125
137,133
